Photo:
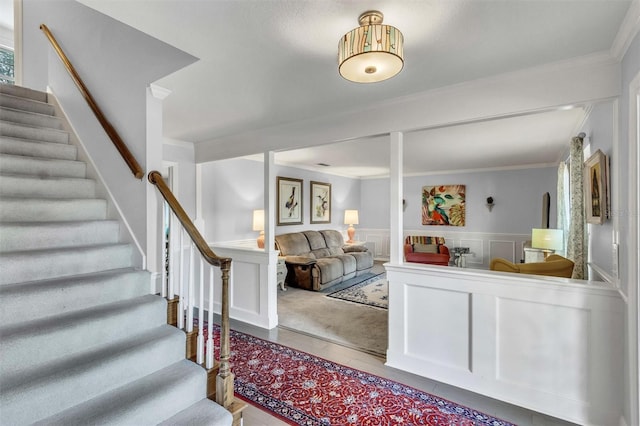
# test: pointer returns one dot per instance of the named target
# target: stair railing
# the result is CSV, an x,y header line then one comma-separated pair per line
x,y
127,156
186,290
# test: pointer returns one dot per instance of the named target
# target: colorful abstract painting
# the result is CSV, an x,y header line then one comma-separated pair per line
x,y
443,205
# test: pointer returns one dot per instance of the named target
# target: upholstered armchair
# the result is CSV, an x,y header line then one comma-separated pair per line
x,y
427,250
554,265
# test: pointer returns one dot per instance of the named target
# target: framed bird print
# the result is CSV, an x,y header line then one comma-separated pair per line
x,y
289,196
443,205
320,202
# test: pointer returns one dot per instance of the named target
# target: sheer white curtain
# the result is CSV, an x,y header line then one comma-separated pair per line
x,y
562,203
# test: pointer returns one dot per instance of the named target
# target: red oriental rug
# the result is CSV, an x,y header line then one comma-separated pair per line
x,y
303,389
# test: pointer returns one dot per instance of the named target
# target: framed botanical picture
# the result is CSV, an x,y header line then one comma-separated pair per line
x,y
320,202
596,188
289,196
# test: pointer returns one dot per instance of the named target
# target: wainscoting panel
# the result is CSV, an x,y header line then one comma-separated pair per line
x,y
476,250
380,243
521,362
550,345
245,292
448,347
503,249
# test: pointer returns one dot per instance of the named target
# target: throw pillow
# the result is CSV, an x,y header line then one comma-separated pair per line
x,y
425,248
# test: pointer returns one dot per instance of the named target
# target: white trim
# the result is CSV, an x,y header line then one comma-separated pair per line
x,y
600,272
177,142
627,31
633,257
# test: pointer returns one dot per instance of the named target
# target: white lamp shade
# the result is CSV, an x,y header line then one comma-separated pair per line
x,y
258,220
351,217
547,239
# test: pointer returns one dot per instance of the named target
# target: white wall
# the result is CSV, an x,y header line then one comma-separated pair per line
x,y
232,189
117,63
517,196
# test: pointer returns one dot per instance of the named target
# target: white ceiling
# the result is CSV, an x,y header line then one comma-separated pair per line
x,y
265,63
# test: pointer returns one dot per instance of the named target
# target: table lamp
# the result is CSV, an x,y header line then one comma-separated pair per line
x,y
351,218
547,240
258,225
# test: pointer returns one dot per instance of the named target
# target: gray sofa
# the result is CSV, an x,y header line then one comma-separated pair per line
x,y
319,259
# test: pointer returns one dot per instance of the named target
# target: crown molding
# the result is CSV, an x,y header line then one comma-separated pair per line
x,y
627,32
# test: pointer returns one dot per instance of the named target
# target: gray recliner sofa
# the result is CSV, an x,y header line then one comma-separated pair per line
x,y
319,259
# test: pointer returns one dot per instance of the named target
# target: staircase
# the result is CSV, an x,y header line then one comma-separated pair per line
x,y
81,339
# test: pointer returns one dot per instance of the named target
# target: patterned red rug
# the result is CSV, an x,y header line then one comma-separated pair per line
x,y
303,389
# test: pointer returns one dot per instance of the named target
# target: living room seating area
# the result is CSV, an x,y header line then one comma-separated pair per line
x,y
319,259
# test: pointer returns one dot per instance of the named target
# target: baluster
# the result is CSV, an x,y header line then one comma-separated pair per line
x,y
181,282
171,252
165,252
210,336
190,291
200,340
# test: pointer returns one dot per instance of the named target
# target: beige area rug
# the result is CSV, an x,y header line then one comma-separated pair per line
x,y
346,323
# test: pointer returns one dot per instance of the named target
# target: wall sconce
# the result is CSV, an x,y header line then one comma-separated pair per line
x,y
351,218
258,225
490,203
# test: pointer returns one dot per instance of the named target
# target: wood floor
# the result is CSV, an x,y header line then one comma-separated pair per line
x,y
346,356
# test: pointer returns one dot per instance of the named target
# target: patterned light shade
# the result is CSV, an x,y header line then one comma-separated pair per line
x,y
372,52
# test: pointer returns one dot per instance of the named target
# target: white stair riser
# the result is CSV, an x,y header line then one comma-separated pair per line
x,y
90,379
40,299
23,104
30,118
16,146
37,235
15,186
46,264
76,332
23,92
43,210
33,133
14,164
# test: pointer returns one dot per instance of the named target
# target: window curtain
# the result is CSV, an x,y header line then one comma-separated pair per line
x,y
577,237
562,203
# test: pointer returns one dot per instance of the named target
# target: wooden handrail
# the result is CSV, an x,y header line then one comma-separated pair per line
x,y
111,131
156,178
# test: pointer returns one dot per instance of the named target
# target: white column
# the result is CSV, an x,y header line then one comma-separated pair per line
x,y
395,197
153,157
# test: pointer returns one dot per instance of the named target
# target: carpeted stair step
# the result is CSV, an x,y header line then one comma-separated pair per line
x,y
147,401
39,149
75,332
23,92
19,236
40,299
15,209
30,118
76,379
46,187
17,164
32,265
203,412
23,131
25,104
